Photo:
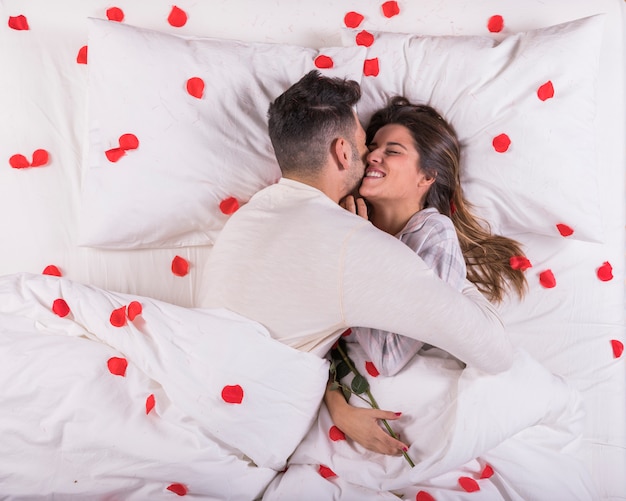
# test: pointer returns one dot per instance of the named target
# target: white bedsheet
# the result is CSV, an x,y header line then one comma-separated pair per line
x,y
525,424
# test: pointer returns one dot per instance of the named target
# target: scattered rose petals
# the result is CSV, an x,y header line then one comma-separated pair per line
x,y
115,14
81,57
118,317
195,87
177,17
134,309
520,263
19,162
364,38
324,62
495,24
18,23
179,489
60,307
487,472
618,348
564,230
371,369
546,278
371,68
546,91
424,496
605,272
326,472
336,434
128,142
353,19
150,403
117,366
229,206
114,154
501,143
180,266
468,484
52,270
40,157
232,394
390,9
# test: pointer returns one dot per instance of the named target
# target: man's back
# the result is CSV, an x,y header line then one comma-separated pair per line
x,y
294,261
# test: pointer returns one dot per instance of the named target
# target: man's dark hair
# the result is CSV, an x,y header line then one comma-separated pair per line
x,y
306,119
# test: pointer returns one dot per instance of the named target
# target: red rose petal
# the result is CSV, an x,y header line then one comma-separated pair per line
x,y
347,332
324,62
150,403
19,162
114,154
519,263
60,307
371,369
546,91
370,67
118,317
495,24
353,19
564,230
364,38
546,278
195,87
115,14
605,272
501,143
232,394
180,266
18,23
390,9
179,489
128,142
229,206
468,484
81,58
487,472
52,270
117,366
424,496
177,17
326,472
40,157
134,309
336,434
618,348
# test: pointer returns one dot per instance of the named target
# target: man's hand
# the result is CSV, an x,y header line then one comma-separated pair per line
x,y
356,206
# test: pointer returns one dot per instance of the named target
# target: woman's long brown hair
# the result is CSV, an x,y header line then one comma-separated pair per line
x,y
487,256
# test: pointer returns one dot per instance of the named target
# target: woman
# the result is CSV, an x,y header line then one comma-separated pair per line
x,y
412,190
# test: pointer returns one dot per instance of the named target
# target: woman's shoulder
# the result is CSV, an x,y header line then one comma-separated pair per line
x,y
429,218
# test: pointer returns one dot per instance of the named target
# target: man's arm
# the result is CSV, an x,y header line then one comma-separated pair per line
x,y
386,286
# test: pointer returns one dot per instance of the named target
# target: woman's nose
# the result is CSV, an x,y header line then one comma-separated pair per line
x,y
373,157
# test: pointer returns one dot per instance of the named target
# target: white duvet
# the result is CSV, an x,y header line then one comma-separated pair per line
x,y
204,403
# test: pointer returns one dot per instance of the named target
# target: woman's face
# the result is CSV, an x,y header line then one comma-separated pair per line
x,y
393,172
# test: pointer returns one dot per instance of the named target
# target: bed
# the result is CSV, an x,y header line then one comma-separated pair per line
x,y
130,131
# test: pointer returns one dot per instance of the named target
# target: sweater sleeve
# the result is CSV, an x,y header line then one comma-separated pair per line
x,y
386,286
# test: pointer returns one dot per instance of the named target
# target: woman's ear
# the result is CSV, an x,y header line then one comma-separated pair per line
x,y
427,180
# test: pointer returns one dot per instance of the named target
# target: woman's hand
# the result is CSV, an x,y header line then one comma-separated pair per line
x,y
363,425
355,205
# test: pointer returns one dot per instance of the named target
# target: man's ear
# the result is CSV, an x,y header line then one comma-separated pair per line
x,y
342,151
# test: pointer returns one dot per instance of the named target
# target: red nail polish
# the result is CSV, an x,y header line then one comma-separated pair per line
x,y
398,414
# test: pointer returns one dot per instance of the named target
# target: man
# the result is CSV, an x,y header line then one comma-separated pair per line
x,y
307,269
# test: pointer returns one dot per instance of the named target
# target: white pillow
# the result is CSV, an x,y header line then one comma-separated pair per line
x,y
165,168
486,88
